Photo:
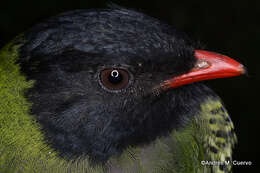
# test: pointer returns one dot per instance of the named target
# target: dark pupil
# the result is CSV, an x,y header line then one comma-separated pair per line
x,y
115,77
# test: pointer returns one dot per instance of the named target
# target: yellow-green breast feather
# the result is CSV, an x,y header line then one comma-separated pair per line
x,y
208,137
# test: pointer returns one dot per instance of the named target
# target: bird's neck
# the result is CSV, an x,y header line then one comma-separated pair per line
x,y
20,136
208,137
185,148
218,134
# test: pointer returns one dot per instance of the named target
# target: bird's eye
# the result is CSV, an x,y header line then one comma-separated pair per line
x,y
114,79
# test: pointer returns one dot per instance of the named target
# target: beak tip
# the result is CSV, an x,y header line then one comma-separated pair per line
x,y
243,69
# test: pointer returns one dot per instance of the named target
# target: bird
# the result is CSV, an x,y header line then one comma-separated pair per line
x,y
112,90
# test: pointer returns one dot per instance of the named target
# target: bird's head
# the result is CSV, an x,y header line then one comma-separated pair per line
x,y
109,79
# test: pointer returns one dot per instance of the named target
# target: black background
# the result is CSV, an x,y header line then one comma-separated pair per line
x,y
228,27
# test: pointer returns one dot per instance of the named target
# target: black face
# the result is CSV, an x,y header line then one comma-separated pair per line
x,y
97,79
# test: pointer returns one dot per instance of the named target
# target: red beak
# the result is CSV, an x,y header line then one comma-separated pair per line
x,y
209,65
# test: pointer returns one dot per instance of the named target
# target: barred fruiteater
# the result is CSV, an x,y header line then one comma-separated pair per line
x,y
111,90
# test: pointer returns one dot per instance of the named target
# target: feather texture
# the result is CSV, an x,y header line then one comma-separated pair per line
x,y
208,136
22,145
184,149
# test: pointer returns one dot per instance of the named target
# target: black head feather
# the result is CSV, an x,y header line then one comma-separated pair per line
x,y
65,56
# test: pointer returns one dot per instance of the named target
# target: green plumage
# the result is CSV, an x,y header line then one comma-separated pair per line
x,y
209,136
183,150
22,146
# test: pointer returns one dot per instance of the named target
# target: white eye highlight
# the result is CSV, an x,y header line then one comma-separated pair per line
x,y
114,73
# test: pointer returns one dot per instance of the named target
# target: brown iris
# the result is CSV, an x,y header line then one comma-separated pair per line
x,y
114,79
